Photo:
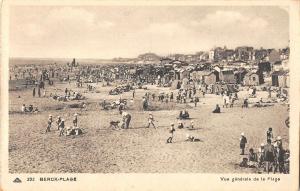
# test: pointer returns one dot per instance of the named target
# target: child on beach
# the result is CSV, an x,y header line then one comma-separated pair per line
x,y
151,121
172,130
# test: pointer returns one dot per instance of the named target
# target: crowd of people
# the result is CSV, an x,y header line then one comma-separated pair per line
x,y
270,157
73,129
29,109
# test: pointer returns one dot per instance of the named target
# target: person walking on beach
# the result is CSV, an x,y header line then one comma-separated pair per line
x,y
39,92
270,134
66,91
243,141
196,100
61,127
126,118
172,130
151,121
171,97
50,120
33,92
58,122
75,120
133,93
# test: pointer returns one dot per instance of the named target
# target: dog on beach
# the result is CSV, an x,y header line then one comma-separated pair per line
x,y
114,124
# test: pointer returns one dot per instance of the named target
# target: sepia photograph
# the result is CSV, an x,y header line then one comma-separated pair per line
x,y
93,92
149,89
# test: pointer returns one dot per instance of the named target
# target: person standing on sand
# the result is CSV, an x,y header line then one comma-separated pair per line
x,y
153,96
269,155
33,92
171,97
151,121
39,92
58,122
260,155
126,118
50,120
245,105
61,127
172,130
75,120
243,141
196,100
133,93
270,134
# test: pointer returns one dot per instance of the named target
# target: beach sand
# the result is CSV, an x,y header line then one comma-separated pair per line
x,y
138,149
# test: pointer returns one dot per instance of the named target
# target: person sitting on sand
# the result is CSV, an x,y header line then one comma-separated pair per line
x,y
185,114
244,163
191,125
23,108
30,108
217,109
69,130
172,130
252,158
180,125
153,96
35,110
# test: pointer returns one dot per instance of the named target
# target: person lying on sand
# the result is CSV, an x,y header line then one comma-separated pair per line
x,y
191,138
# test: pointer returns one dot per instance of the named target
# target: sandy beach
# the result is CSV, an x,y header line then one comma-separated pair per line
x,y
138,149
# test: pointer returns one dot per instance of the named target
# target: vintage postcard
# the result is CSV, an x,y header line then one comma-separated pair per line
x,y
149,95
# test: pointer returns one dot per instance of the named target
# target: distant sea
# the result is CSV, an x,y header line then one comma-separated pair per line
x,y
38,61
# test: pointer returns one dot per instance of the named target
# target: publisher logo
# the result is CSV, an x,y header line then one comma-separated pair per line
x,y
17,180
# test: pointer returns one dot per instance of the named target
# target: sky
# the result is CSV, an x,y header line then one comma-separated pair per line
x,y
127,31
